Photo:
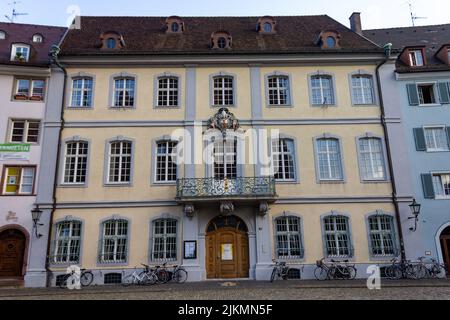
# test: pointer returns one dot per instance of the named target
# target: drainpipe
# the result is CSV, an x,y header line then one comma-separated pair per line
x,y
388,50
54,55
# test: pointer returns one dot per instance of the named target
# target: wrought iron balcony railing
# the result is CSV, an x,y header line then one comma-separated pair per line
x,y
211,188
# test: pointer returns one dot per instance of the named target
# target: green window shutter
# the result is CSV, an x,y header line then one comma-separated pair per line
x,y
443,93
413,94
427,183
419,137
448,137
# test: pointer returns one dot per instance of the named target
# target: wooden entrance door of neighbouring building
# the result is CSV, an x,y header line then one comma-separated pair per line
x,y
227,249
12,250
445,246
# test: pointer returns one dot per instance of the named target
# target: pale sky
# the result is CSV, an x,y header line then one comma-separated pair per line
x,y
375,13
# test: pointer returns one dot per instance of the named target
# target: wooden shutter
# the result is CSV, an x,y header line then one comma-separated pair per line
x,y
413,94
419,137
443,93
428,188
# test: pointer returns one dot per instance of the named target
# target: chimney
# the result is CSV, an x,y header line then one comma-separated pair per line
x,y
355,22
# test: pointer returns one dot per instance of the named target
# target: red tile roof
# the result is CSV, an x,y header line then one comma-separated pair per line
x,y
23,33
146,35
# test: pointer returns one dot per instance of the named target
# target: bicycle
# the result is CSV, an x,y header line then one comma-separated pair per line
x,y
177,274
433,269
403,269
280,270
334,271
147,277
86,278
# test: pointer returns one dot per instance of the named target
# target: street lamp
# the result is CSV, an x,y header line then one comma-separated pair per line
x,y
415,210
36,216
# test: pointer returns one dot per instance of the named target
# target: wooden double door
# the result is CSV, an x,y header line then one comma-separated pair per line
x,y
12,251
227,251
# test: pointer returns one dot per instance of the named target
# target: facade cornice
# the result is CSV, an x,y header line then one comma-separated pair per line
x,y
209,60
422,75
13,70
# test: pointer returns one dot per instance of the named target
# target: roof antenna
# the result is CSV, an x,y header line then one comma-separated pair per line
x,y
413,15
14,13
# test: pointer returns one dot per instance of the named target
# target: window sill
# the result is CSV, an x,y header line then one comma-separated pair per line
x,y
331,181
79,108
166,107
28,101
112,264
117,185
375,181
430,105
442,198
287,182
437,150
275,106
122,108
164,184
17,195
225,106
72,185
323,105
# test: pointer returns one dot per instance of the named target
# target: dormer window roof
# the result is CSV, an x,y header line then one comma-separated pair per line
x,y
266,24
443,54
221,40
38,38
414,56
329,39
174,24
112,40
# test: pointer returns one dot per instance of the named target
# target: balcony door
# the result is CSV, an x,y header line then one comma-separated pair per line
x,y
225,159
227,249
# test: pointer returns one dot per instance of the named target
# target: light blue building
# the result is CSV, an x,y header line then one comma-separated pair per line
x,y
415,85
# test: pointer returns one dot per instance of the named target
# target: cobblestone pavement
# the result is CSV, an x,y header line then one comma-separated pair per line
x,y
246,290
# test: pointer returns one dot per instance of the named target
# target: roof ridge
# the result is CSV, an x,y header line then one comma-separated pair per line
x,y
410,27
215,17
31,25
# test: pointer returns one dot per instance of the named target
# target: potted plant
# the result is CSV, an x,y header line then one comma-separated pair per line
x,y
36,98
20,96
19,57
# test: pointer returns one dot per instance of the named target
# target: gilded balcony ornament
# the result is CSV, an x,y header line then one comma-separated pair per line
x,y
264,208
224,120
189,210
227,208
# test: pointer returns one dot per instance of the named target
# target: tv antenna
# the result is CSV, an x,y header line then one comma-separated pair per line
x,y
413,15
14,13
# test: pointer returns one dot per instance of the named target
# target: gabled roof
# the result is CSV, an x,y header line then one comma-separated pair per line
x,y
146,35
432,37
23,33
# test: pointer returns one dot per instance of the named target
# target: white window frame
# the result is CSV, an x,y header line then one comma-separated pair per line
x,y
282,153
435,94
224,155
124,90
442,127
362,89
328,152
382,233
115,238
336,234
222,89
278,88
121,160
370,153
15,48
19,183
440,174
164,236
77,157
167,157
321,89
288,235
84,91
38,38
25,130
416,53
166,91
66,242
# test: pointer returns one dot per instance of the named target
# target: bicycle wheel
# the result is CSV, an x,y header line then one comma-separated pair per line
x,y
163,276
421,272
274,275
181,276
411,272
149,279
86,278
352,272
395,273
129,280
321,274
63,282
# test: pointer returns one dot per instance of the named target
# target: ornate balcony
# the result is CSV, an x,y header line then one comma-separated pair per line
x,y
239,189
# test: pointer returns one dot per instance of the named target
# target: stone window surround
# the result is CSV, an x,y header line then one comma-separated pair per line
x,y
384,150
221,74
289,103
108,142
395,233
166,216
316,159
9,128
156,89
333,83
69,90
364,73
61,183
112,79
215,36
295,153
334,213
302,235
154,147
100,238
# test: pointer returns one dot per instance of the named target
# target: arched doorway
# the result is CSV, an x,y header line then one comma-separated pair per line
x,y
12,252
445,246
227,248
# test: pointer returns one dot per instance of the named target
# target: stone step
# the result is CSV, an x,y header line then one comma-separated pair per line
x,y
11,283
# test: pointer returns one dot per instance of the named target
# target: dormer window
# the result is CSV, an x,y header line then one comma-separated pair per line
x,y
38,38
20,52
329,40
112,41
2,35
174,24
221,40
416,58
266,24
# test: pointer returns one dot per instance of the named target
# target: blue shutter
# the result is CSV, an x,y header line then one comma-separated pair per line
x,y
419,137
443,93
413,94
428,188
448,137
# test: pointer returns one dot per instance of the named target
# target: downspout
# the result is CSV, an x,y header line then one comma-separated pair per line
x,y
387,49
54,55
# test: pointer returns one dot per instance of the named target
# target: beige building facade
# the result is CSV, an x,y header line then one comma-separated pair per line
x,y
146,177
